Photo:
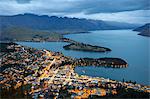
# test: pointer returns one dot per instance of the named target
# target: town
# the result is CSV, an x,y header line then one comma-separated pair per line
x,y
35,73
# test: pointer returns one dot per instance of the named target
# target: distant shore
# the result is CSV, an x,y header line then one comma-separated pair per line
x,y
74,45
85,47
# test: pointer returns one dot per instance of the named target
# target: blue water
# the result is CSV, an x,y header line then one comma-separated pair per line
x,y
125,44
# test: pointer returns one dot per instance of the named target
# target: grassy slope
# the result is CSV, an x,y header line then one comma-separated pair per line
x,y
20,33
144,30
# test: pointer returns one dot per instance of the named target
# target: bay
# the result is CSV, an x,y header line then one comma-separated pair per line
x,y
125,44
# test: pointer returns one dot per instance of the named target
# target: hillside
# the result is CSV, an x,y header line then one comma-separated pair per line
x,y
31,26
55,23
26,34
144,30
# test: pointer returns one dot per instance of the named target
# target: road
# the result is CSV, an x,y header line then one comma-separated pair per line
x,y
45,75
52,78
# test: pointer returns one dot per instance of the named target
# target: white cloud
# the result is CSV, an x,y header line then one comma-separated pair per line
x,y
139,16
116,10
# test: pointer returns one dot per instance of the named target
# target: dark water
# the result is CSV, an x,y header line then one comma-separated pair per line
x,y
125,44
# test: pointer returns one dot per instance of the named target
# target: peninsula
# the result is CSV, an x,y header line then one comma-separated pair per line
x,y
32,73
85,47
105,62
144,30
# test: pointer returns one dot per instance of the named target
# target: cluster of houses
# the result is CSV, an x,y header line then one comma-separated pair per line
x,y
44,74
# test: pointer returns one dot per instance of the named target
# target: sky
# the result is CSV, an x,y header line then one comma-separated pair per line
x,y
130,11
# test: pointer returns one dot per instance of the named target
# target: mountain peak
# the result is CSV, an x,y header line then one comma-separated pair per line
x,y
45,22
144,30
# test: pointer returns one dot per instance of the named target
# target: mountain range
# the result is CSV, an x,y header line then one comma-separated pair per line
x,y
29,25
144,30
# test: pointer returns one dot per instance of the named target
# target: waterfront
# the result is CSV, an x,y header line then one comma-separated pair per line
x,y
125,44
29,72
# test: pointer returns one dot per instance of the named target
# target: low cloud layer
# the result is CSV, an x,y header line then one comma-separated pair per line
x,y
77,8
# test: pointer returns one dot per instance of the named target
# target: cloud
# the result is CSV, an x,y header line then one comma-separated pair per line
x,y
23,1
111,6
72,7
138,16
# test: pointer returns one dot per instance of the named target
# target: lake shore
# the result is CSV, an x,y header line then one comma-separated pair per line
x,y
44,69
85,47
74,45
102,62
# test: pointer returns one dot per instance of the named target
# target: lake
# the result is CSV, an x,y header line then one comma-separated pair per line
x,y
125,44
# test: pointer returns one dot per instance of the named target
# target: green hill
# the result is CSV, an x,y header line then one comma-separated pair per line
x,y
26,34
144,30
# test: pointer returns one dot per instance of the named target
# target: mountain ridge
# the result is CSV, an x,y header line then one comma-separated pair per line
x,y
144,30
60,23
27,26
